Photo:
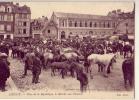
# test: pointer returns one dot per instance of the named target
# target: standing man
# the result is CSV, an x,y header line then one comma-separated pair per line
x,y
4,71
36,70
82,77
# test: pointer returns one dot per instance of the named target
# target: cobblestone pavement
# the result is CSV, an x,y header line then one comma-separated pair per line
x,y
114,82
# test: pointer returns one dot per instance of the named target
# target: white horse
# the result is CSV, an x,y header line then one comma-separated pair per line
x,y
71,53
48,57
106,60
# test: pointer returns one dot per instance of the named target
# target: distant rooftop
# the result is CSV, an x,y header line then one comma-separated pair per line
x,y
22,9
84,16
17,8
5,3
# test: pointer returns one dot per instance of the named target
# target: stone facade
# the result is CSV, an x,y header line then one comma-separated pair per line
x,y
62,25
37,25
22,21
126,21
6,20
14,20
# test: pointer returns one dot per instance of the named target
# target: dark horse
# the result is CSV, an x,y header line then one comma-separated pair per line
x,y
128,71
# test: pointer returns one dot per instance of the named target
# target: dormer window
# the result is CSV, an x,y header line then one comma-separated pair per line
x,y
9,9
2,8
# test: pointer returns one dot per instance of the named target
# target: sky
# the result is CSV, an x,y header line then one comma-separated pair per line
x,y
39,9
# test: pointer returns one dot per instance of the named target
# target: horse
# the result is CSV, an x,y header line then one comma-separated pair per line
x,y
105,61
128,71
62,66
47,58
77,67
70,56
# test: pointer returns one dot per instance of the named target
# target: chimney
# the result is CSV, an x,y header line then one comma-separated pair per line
x,y
118,10
17,4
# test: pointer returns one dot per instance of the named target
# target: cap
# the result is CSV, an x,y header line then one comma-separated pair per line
x,y
3,55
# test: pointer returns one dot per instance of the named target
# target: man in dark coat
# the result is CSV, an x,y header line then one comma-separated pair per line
x,y
4,70
28,62
36,70
82,77
128,71
4,49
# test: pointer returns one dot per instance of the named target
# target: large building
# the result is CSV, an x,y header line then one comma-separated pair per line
x,y
63,25
37,26
6,20
14,20
126,22
22,21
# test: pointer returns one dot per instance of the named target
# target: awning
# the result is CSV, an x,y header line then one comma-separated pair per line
x,y
131,37
114,38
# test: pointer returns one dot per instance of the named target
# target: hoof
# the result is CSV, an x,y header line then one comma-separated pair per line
x,y
91,77
3,90
106,76
108,72
37,82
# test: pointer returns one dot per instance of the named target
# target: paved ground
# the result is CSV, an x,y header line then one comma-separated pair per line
x,y
99,83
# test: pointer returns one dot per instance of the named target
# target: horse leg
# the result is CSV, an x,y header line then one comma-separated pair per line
x,y
72,72
25,71
99,68
125,54
108,69
63,73
90,71
45,63
52,71
105,72
87,69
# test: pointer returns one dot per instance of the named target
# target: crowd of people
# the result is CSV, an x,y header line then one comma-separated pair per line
x,y
38,54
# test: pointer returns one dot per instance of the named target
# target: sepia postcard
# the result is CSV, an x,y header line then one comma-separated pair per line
x,y
67,49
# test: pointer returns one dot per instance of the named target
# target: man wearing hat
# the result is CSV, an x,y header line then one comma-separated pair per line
x,y
4,70
36,70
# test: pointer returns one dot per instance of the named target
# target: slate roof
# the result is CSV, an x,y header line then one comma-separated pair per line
x,y
83,16
22,9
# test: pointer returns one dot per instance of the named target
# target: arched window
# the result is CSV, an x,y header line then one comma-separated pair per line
x,y
90,24
2,8
9,9
75,24
63,23
99,24
70,33
113,24
95,24
63,35
104,24
85,24
108,24
80,24
70,23
90,33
